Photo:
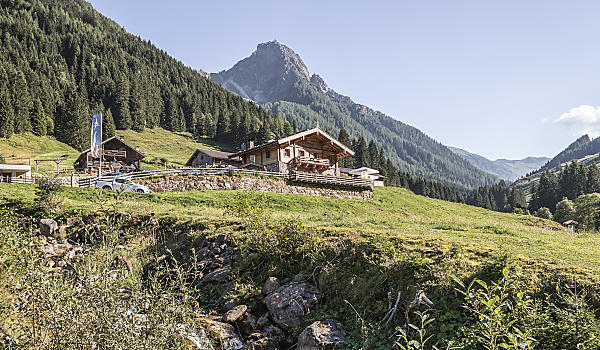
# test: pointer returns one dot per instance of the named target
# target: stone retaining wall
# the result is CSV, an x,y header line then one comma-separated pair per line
x,y
246,183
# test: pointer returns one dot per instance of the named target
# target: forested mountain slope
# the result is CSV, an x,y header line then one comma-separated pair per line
x,y
275,76
585,151
61,60
582,147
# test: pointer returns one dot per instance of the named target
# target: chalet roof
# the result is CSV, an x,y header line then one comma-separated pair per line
x,y
110,139
365,170
211,153
289,139
570,222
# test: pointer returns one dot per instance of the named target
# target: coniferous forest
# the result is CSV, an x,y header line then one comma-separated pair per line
x,y
61,61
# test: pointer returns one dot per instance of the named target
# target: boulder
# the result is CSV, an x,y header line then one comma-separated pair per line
x,y
290,303
271,284
235,313
325,335
58,249
48,226
218,275
224,334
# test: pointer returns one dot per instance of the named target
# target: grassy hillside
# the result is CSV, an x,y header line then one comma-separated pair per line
x,y
395,212
175,147
157,144
357,252
21,148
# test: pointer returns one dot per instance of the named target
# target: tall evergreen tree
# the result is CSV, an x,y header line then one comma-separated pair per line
x,y
38,119
121,111
6,108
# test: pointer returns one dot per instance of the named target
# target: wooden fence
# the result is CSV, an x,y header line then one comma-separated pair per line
x,y
301,177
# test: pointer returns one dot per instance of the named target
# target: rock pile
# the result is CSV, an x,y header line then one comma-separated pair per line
x,y
247,183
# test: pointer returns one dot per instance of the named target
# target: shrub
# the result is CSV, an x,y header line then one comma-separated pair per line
x,y
47,195
565,210
543,213
497,309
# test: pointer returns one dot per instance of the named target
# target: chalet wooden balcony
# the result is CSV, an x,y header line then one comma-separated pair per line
x,y
297,176
306,162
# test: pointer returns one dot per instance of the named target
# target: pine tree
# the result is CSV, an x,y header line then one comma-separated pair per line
x,y
122,113
6,108
593,179
38,119
20,99
361,156
73,122
108,125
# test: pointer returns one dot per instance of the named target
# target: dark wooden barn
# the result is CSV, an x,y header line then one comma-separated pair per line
x,y
116,153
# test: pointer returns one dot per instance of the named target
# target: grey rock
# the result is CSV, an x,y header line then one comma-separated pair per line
x,y
218,275
325,335
263,321
271,285
290,303
48,226
223,333
235,313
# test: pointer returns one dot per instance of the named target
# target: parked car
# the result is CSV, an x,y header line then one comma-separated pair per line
x,y
121,184
127,169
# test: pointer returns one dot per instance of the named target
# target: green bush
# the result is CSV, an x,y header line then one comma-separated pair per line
x,y
543,213
48,200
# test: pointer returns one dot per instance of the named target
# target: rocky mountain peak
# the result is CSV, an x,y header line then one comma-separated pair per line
x,y
266,75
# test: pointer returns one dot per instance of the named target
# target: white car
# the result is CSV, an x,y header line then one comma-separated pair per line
x,y
121,184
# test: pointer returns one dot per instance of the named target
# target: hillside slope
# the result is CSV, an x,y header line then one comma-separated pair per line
x,y
584,150
506,169
174,258
61,61
275,76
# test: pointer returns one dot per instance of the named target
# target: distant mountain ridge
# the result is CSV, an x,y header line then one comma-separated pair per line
x,y
277,78
584,150
580,148
506,169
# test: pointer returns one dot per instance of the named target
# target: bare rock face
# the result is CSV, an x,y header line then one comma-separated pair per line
x,y
48,227
265,76
326,335
290,303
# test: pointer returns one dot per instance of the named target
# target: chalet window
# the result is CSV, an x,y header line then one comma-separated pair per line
x,y
268,154
252,158
301,152
287,152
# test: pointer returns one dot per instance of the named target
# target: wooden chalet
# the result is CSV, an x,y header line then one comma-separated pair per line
x,y
309,151
116,153
209,158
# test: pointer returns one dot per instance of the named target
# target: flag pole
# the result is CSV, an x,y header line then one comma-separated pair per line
x,y
100,167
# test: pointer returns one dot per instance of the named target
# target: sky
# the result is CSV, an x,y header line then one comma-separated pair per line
x,y
503,79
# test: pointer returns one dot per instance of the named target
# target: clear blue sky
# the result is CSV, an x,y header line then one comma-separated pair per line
x,y
492,77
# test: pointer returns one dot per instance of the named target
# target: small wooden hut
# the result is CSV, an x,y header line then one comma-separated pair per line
x,y
570,224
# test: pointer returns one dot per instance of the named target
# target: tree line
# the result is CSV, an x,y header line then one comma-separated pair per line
x,y
61,61
573,180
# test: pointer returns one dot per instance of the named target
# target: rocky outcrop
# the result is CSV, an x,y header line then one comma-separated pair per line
x,y
290,303
326,335
250,183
